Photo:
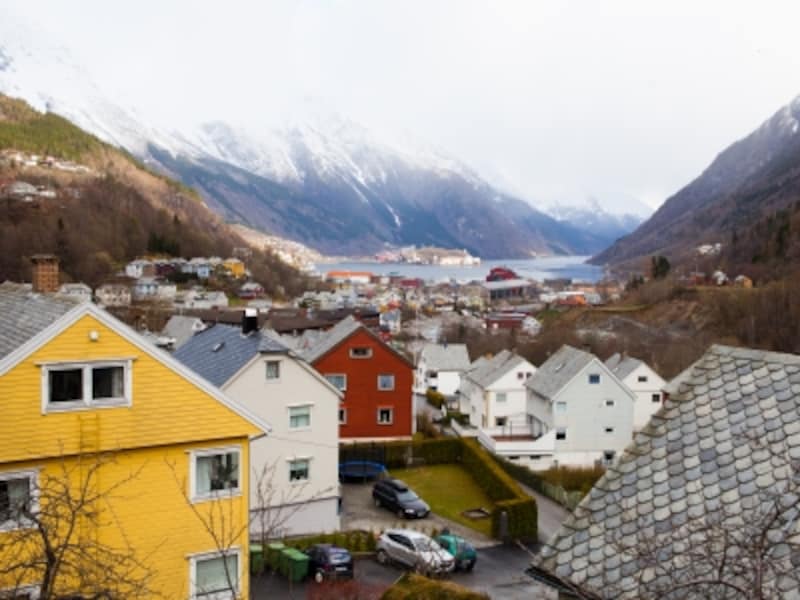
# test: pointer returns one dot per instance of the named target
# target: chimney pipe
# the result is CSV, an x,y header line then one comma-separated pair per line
x,y
45,273
249,321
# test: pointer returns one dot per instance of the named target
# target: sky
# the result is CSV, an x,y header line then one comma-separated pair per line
x,y
555,101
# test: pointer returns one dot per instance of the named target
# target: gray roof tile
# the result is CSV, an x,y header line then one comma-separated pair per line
x,y
558,370
693,460
218,353
23,314
446,357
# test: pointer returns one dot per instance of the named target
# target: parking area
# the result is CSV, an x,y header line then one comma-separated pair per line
x,y
499,572
359,512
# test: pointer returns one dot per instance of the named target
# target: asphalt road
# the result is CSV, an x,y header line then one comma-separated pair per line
x,y
499,572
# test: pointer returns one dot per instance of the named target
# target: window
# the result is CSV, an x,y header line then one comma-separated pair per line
x,y
386,382
656,397
501,397
66,387
298,469
16,497
214,472
608,456
211,575
561,407
609,430
342,416
385,416
520,375
338,381
561,433
609,403
500,421
594,378
273,370
642,379
299,417
360,352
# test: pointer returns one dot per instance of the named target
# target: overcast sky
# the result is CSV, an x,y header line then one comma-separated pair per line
x,y
555,100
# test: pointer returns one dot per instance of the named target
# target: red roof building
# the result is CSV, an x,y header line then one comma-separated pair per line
x,y
375,378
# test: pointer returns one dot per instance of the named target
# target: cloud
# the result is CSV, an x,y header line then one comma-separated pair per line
x,y
556,100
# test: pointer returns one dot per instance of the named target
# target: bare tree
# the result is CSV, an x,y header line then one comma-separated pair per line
x,y
226,528
54,544
746,549
276,503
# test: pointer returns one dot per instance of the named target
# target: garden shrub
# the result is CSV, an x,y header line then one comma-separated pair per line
x,y
435,399
412,586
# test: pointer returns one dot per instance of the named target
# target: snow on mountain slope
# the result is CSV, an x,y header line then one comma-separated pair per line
x,y
320,179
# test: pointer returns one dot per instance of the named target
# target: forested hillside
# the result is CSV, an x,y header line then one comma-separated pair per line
x,y
102,218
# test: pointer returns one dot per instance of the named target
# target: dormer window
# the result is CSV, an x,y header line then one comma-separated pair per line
x,y
360,352
79,386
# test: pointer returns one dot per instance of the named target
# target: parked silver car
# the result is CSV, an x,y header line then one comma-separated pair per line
x,y
414,550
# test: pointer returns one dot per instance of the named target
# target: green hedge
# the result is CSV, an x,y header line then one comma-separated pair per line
x,y
354,541
412,587
501,488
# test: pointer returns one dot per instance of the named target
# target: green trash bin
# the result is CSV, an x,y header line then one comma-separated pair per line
x,y
273,555
284,558
298,566
256,559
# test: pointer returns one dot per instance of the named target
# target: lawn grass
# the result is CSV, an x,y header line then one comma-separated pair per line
x,y
449,490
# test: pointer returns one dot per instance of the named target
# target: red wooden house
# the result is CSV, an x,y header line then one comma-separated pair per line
x,y
375,378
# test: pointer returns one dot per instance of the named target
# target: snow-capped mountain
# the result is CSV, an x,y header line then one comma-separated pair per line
x,y
326,181
592,216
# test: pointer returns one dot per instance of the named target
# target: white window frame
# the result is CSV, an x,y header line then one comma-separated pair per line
x,y
33,590
33,493
289,408
561,407
226,595
391,415
213,494
366,356
294,459
342,416
386,389
609,403
267,378
501,397
344,379
87,403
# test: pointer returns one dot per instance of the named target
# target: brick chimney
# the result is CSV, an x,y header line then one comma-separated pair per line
x,y
45,273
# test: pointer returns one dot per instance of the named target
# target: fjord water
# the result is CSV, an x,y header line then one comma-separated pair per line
x,y
541,268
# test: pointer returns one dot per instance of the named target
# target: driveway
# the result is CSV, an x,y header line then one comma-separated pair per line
x,y
360,512
551,514
499,573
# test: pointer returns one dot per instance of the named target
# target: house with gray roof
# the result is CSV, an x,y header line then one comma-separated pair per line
x,y
493,391
704,503
297,465
439,367
580,412
643,381
180,328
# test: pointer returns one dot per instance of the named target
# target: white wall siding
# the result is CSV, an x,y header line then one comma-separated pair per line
x,y
318,443
644,407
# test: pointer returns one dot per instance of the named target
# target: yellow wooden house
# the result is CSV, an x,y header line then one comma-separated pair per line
x,y
89,410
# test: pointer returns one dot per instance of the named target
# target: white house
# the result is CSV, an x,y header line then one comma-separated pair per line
x,y
113,294
580,412
80,291
297,463
493,392
440,367
137,268
642,381
150,288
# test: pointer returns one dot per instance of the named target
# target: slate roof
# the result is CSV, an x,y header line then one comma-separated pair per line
x,y
332,338
558,370
622,366
450,357
494,368
23,314
719,446
181,328
220,351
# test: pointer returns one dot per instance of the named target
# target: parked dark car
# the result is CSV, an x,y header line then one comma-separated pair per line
x,y
397,497
326,561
